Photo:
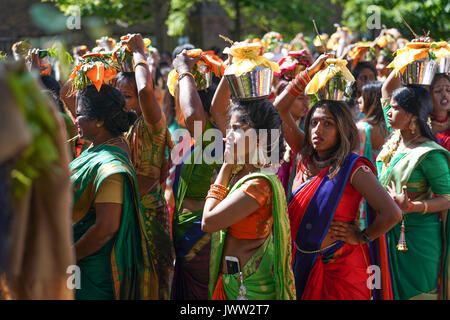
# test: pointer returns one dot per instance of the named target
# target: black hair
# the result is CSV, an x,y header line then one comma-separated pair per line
x,y
371,94
108,105
439,76
260,114
51,84
416,100
128,77
360,66
206,96
178,49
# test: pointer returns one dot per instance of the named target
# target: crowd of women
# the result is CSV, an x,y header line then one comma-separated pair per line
x,y
356,208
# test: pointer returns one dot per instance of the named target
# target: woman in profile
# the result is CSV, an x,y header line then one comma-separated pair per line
x,y
111,248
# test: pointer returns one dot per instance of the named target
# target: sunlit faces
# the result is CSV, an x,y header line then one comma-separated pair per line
x,y
236,145
323,132
397,117
128,90
441,95
87,127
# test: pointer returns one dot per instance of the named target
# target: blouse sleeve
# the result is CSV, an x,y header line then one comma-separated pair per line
x,y
111,190
435,169
386,107
259,189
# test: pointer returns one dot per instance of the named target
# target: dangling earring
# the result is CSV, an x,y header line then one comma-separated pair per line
x,y
99,125
401,245
412,127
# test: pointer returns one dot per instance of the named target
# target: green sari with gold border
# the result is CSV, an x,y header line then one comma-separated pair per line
x,y
123,268
272,278
418,272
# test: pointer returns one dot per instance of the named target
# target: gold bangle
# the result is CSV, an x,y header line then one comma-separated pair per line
x,y
140,62
185,74
425,210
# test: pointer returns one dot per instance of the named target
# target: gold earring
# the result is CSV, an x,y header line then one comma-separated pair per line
x,y
412,127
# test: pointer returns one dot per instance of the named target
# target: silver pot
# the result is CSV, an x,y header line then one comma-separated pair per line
x,y
255,84
336,89
444,65
420,72
203,78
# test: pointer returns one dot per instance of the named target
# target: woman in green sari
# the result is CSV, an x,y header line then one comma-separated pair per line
x,y
250,224
111,248
415,171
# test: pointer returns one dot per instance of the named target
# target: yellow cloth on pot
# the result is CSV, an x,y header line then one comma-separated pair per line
x,y
320,79
248,56
411,52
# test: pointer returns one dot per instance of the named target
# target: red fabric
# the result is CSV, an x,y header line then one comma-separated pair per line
x,y
219,291
444,139
345,278
345,275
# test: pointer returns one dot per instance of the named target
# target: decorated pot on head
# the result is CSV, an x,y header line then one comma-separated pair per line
x,y
361,52
293,64
418,62
250,75
94,69
203,70
123,56
332,83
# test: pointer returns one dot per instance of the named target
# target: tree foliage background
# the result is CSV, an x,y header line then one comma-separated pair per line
x,y
255,17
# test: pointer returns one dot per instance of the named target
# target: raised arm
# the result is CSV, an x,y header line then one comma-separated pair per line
x,y
150,108
218,215
391,83
190,103
220,105
294,136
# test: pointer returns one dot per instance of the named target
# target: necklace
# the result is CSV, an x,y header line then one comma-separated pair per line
x,y
441,123
406,145
321,163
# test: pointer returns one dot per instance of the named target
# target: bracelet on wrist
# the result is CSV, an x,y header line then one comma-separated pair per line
x,y
365,236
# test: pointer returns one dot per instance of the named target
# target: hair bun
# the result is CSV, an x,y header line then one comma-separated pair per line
x,y
132,116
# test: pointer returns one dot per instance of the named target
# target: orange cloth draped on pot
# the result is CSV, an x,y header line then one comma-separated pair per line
x,y
208,58
98,74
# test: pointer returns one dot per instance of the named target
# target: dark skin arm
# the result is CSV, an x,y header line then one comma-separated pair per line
x,y
150,108
190,103
389,214
107,223
391,83
218,215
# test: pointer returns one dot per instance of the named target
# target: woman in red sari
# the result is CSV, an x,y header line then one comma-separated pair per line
x,y
331,253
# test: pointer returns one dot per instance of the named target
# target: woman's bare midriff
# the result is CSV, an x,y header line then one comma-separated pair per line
x,y
243,249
